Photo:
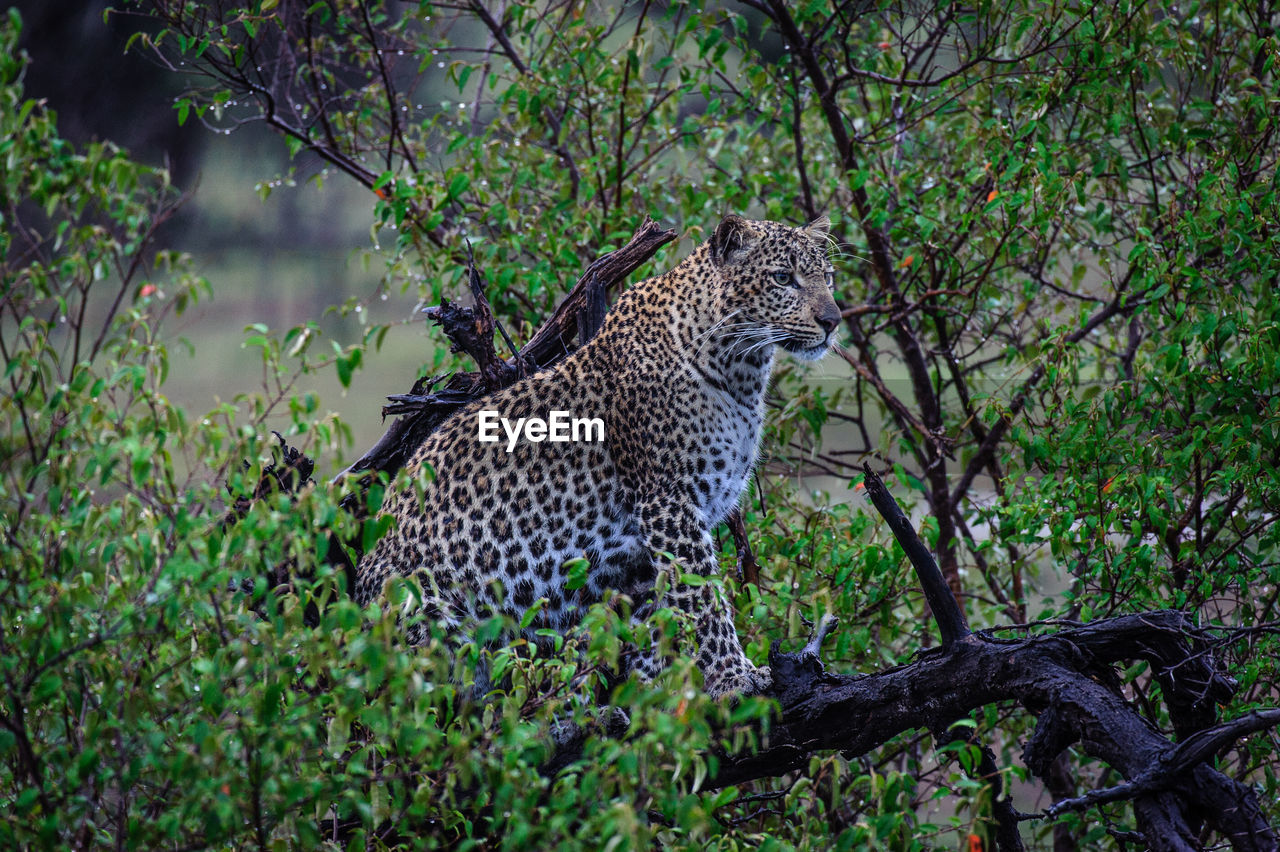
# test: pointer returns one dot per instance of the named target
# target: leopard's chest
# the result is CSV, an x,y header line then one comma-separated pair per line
x,y
725,451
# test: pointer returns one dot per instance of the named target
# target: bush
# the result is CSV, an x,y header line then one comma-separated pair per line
x,y
1061,244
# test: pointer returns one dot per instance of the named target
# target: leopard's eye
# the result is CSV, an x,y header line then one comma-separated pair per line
x,y
782,278
831,281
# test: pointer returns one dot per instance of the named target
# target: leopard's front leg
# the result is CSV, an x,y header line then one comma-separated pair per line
x,y
668,528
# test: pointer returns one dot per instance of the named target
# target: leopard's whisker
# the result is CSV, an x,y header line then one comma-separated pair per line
x,y
748,337
775,339
721,324
766,337
717,324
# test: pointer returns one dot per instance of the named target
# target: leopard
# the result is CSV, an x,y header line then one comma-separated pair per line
x,y
678,373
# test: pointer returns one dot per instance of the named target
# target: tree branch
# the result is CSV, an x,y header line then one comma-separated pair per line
x,y
1051,676
1172,767
1065,679
950,617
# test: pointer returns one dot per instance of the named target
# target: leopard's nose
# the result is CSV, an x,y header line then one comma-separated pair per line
x,y
829,320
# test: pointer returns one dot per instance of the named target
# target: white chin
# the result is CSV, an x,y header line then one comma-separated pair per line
x,y
812,353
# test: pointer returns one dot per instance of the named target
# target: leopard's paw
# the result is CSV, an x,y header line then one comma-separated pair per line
x,y
748,680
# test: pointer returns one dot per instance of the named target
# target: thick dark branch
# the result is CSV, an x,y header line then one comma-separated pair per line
x,y
1051,676
1180,661
552,341
951,621
1172,768
1067,680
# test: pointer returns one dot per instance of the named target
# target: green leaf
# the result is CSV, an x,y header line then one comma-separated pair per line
x,y
577,573
460,184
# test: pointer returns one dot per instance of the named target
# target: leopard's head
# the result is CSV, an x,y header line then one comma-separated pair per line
x,y
777,283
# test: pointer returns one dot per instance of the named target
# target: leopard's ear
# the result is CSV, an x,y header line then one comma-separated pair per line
x,y
819,227
733,240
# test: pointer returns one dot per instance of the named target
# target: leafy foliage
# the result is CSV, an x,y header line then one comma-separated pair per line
x,y
1059,234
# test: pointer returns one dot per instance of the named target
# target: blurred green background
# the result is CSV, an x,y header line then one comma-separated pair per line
x,y
277,248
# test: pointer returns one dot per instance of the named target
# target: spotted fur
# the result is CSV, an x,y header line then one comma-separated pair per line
x,y
678,374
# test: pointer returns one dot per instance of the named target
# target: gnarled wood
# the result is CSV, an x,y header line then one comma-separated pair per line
x,y
1052,677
